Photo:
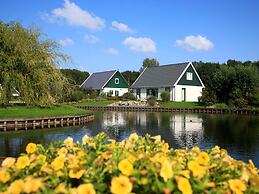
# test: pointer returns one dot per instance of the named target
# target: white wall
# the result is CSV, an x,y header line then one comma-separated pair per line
x,y
121,90
192,93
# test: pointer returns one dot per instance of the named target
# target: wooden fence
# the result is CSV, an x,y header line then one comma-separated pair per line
x,y
36,123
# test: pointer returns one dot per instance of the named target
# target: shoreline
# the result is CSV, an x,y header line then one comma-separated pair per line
x,y
164,109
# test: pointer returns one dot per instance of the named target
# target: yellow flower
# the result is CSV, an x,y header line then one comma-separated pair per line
x,y
125,167
133,137
157,138
4,176
16,187
22,162
237,186
41,159
165,147
185,173
166,171
121,185
31,148
76,173
8,162
58,163
69,142
62,152
143,181
32,185
132,158
61,188
203,158
158,157
86,189
106,155
184,185
197,170
86,140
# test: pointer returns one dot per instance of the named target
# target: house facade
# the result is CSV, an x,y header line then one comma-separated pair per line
x,y
111,83
181,81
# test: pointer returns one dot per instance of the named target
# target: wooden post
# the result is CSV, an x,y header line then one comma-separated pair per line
x,y
33,124
74,121
5,125
15,126
67,121
61,122
48,123
55,122
26,125
42,123
79,120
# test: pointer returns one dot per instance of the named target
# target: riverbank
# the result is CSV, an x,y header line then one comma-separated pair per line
x,y
23,112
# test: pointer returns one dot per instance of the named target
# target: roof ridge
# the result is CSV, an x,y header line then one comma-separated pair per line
x,y
104,71
184,63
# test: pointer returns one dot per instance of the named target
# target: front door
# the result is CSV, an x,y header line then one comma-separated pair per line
x,y
116,93
183,94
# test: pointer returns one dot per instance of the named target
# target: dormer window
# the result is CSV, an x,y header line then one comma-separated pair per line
x,y
117,81
189,75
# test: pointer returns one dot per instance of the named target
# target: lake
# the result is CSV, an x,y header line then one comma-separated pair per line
x,y
239,134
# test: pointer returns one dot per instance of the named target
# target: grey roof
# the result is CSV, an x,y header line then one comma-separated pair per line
x,y
165,75
97,80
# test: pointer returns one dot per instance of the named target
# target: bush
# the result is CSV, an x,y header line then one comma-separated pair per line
x,y
135,165
208,98
151,101
165,96
128,96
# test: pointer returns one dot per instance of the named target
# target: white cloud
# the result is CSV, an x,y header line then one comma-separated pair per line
x,y
73,15
118,26
66,42
91,39
111,51
195,43
145,45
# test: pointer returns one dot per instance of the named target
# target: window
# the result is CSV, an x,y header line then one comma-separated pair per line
x,y
189,76
111,92
116,93
117,81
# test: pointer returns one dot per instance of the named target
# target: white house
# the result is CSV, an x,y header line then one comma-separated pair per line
x,y
109,82
180,80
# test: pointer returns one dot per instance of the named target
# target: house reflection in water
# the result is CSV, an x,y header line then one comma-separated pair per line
x,y
184,129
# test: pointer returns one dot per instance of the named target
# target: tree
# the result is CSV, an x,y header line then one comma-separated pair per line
x,y
28,63
130,76
149,63
75,76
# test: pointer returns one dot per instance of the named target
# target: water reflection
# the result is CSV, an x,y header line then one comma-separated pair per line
x,y
238,134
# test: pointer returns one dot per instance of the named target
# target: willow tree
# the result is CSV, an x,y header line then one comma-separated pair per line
x,y
29,63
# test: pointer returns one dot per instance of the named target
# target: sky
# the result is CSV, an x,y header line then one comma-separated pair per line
x,y
119,34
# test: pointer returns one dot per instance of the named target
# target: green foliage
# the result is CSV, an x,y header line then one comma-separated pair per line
x,y
75,76
165,96
130,76
151,101
149,63
128,96
233,83
28,63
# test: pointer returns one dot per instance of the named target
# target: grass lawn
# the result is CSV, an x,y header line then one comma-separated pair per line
x,y
31,112
181,105
95,103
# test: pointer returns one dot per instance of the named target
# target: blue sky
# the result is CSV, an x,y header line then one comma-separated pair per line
x,y
116,34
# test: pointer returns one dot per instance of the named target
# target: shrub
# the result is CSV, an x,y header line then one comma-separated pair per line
x,y
128,96
165,96
135,165
208,98
151,101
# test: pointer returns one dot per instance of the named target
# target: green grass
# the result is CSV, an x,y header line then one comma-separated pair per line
x,y
95,103
181,105
33,112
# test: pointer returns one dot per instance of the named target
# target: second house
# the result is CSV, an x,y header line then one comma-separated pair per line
x,y
112,83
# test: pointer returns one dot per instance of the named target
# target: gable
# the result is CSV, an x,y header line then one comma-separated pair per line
x,y
112,83
195,80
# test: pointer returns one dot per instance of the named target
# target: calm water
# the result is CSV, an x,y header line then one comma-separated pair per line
x,y
238,134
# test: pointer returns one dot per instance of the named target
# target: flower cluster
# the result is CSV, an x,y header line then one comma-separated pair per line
x,y
135,165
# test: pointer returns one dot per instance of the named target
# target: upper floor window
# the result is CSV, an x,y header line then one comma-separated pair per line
x,y
189,76
117,81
